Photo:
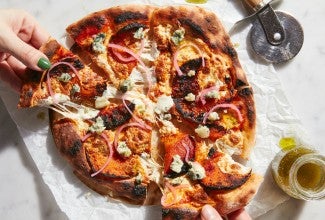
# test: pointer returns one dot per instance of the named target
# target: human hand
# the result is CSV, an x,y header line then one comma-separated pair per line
x,y
20,38
209,213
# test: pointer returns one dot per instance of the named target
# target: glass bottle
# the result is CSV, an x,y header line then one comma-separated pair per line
x,y
300,172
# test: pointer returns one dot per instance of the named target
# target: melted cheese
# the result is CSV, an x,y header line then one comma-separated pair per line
x,y
228,165
152,169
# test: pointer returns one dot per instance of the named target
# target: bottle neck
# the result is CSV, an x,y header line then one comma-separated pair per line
x,y
307,177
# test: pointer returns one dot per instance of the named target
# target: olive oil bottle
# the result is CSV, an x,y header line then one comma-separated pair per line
x,y
299,170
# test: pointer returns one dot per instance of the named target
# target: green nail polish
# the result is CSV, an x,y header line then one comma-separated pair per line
x,y
44,63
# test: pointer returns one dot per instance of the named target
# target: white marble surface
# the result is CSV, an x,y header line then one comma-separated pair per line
x,y
23,194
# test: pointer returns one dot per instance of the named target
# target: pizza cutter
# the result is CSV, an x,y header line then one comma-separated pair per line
x,y
275,36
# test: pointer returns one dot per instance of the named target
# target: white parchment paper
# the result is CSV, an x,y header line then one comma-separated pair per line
x,y
275,119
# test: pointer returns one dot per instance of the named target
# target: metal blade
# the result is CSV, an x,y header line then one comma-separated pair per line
x,y
287,45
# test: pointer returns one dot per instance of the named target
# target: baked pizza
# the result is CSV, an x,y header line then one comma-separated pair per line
x,y
151,106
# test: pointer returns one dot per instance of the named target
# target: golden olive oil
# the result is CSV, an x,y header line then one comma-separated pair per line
x,y
197,1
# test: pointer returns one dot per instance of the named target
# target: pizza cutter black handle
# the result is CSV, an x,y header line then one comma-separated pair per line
x,y
273,29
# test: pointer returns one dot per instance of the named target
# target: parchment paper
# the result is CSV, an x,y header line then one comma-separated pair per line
x,y
275,119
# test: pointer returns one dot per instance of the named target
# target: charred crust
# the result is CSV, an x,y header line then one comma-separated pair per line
x,y
129,15
228,49
240,83
117,116
97,21
233,179
245,92
139,191
131,27
179,213
75,148
251,115
195,28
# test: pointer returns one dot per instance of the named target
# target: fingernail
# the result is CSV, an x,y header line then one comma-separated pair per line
x,y
44,63
208,212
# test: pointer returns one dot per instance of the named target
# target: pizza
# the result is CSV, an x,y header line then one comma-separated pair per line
x,y
151,106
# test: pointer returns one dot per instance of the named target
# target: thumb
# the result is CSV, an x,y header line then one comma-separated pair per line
x,y
209,213
27,54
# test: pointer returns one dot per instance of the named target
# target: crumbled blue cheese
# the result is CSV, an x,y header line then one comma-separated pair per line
x,y
164,104
75,88
178,36
190,97
212,95
203,131
101,102
139,34
196,172
65,77
98,43
177,164
123,149
191,73
167,127
213,116
98,127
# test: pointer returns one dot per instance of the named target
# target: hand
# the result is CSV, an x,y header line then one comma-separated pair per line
x,y
209,213
20,38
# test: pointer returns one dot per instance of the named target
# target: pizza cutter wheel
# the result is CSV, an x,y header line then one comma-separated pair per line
x,y
275,36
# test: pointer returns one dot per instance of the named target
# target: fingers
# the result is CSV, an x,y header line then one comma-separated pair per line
x,y
8,76
24,52
18,67
209,213
240,214
31,32
22,36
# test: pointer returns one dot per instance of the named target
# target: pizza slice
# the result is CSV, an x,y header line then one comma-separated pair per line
x,y
118,41
69,86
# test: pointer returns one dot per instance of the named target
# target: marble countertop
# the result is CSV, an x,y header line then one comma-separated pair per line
x,y
24,195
